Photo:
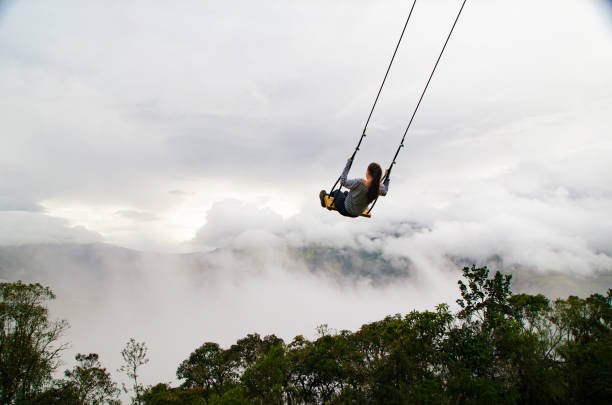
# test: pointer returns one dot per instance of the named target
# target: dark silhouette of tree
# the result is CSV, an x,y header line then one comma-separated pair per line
x,y
29,349
91,383
498,348
134,355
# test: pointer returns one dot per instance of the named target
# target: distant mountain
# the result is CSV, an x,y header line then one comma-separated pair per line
x,y
48,263
350,262
44,261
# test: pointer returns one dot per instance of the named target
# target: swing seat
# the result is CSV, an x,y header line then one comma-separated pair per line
x,y
329,204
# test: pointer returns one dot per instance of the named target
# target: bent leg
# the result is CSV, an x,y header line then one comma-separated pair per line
x,y
339,197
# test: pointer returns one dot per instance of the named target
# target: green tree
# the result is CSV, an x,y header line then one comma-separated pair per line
x,y
163,394
265,381
479,350
484,300
234,396
249,349
134,355
587,347
410,371
534,350
498,348
29,348
55,395
90,381
208,367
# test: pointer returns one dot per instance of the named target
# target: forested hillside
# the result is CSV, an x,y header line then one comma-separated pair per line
x,y
499,348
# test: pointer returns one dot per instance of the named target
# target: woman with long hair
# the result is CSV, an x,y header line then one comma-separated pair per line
x,y
361,191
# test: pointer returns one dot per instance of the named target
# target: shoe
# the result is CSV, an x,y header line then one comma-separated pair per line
x,y
322,195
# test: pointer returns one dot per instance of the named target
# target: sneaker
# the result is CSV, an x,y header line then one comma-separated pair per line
x,y
322,195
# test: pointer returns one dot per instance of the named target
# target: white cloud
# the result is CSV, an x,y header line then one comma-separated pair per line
x,y
111,123
232,220
511,135
19,228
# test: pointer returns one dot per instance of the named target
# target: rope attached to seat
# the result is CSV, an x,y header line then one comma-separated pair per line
x,y
365,127
401,145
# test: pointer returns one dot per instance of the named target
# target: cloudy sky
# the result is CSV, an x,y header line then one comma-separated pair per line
x,y
185,126
127,123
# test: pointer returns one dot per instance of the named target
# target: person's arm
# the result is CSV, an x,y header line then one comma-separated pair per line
x,y
350,184
384,187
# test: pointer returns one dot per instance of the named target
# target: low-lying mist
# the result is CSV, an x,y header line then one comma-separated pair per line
x,y
176,302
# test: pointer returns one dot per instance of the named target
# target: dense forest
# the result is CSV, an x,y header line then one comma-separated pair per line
x,y
497,348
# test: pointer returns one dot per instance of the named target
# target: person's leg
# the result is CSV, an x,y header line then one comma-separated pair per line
x,y
339,197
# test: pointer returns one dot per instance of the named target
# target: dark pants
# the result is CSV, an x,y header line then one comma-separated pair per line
x,y
339,197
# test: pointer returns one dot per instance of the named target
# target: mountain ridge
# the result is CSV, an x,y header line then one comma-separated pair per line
x,y
43,261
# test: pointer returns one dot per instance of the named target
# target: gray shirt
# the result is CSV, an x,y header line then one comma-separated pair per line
x,y
357,199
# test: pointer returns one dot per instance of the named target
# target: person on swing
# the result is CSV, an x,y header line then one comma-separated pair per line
x,y
361,191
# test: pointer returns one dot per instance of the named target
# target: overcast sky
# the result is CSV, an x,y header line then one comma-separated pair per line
x,y
182,126
126,123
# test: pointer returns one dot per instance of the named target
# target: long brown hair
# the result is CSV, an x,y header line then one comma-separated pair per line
x,y
376,173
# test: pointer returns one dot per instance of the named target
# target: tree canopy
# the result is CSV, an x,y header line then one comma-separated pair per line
x,y
498,348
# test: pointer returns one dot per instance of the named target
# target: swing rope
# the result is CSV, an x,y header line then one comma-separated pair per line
x,y
401,145
365,127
